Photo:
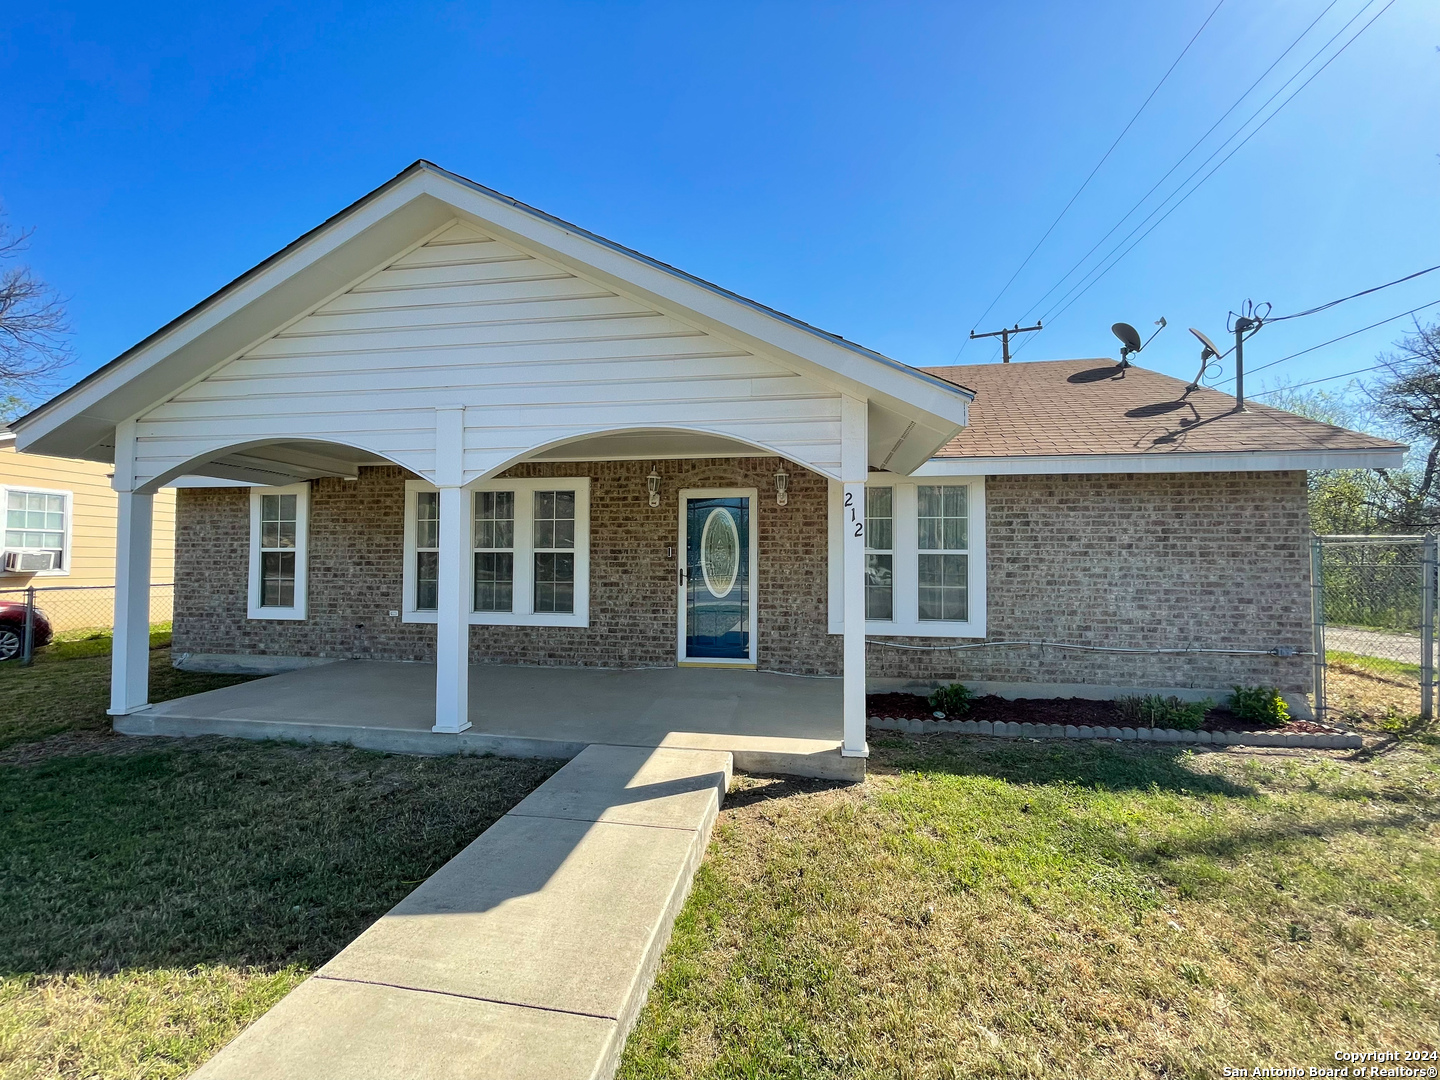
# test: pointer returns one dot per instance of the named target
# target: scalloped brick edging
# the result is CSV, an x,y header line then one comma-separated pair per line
x,y
1336,741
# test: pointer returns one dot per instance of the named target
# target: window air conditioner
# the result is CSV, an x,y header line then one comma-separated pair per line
x,y
28,562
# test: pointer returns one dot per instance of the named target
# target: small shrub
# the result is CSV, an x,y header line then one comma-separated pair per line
x,y
1154,711
952,700
1261,705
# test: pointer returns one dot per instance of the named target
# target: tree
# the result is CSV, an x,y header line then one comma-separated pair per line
x,y
33,327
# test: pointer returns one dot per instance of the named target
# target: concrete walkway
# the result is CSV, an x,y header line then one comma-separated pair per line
x,y
528,955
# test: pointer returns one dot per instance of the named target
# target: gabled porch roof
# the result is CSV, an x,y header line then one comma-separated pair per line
x,y
912,414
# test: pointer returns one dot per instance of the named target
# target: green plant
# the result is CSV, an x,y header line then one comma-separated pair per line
x,y
952,700
1260,705
1154,711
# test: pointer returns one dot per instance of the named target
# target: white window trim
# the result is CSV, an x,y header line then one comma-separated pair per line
x,y
523,615
69,555
907,561
302,553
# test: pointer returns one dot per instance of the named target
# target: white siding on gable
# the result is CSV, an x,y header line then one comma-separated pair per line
x,y
535,354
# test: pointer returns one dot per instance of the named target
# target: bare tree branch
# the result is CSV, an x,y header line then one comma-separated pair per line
x,y
33,328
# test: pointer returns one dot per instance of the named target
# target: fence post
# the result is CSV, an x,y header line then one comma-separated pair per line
x,y
28,645
1427,630
1317,620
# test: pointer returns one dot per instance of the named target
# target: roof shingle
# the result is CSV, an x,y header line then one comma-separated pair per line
x,y
1095,407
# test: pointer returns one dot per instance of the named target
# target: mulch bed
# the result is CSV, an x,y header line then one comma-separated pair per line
x,y
1076,711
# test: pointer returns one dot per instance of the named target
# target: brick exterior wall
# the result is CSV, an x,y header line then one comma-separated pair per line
x,y
1214,560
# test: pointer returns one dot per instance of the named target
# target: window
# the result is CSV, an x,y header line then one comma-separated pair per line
x,y
495,551
944,564
924,557
879,553
555,551
39,521
278,529
427,550
530,552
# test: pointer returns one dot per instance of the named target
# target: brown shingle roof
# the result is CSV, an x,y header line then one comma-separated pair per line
x,y
1094,407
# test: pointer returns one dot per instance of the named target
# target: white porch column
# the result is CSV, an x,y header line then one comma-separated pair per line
x,y
452,623
854,464
130,647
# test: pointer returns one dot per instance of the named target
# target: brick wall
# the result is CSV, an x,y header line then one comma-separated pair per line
x,y
1212,560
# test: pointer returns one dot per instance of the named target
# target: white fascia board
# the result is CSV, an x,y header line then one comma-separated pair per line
x,y
850,370
244,313
1172,462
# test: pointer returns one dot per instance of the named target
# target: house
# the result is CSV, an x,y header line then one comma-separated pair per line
x,y
60,536
481,435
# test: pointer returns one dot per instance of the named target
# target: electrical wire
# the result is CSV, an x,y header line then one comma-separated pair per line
x,y
1312,382
1051,315
1182,158
1096,169
1352,296
1332,341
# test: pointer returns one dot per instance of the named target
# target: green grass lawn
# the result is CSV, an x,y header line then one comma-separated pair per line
x,y
160,894
1028,909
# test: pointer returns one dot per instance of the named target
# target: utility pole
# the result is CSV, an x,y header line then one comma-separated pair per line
x,y
1242,325
1004,336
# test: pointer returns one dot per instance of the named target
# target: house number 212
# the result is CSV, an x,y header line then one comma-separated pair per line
x,y
850,503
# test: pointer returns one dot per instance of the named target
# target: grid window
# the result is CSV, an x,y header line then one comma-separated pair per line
x,y
36,520
943,518
427,550
278,528
555,551
880,553
494,551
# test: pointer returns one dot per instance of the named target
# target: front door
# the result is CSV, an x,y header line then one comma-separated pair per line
x,y
716,601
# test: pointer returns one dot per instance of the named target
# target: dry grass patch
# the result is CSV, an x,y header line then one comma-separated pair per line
x,y
987,908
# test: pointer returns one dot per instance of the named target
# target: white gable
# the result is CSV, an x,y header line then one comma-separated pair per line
x,y
533,352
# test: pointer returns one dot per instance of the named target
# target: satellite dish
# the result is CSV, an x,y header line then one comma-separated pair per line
x,y
1128,335
1210,349
1208,353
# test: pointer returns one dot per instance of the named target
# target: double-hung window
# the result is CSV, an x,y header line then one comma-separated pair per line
x,y
530,552
278,551
38,523
924,557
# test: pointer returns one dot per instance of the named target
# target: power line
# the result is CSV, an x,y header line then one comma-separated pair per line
x,y
1332,341
1182,158
1352,296
1096,169
1312,382
1068,300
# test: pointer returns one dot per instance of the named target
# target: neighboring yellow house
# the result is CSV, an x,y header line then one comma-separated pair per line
x,y
61,512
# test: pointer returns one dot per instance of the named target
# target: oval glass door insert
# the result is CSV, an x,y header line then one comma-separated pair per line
x,y
720,552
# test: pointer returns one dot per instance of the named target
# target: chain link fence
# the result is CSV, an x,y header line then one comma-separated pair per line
x,y
1374,613
41,616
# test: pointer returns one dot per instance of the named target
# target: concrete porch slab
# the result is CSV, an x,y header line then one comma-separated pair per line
x,y
527,955
768,722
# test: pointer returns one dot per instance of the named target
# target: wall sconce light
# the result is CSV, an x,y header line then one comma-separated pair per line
x,y
653,482
782,486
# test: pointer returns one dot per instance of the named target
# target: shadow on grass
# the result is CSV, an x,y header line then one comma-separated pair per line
x,y
219,851
1095,764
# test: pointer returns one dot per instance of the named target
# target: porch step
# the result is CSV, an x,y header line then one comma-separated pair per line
x,y
528,955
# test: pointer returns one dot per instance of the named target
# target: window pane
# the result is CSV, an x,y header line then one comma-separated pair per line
x,y
879,587
495,519
494,581
879,519
943,517
427,519
277,579
427,580
277,521
554,582
554,519
944,588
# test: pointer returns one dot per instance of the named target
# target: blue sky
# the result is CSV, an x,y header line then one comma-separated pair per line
x,y
879,170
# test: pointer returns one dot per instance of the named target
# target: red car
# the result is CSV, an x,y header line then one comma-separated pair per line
x,y
12,630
